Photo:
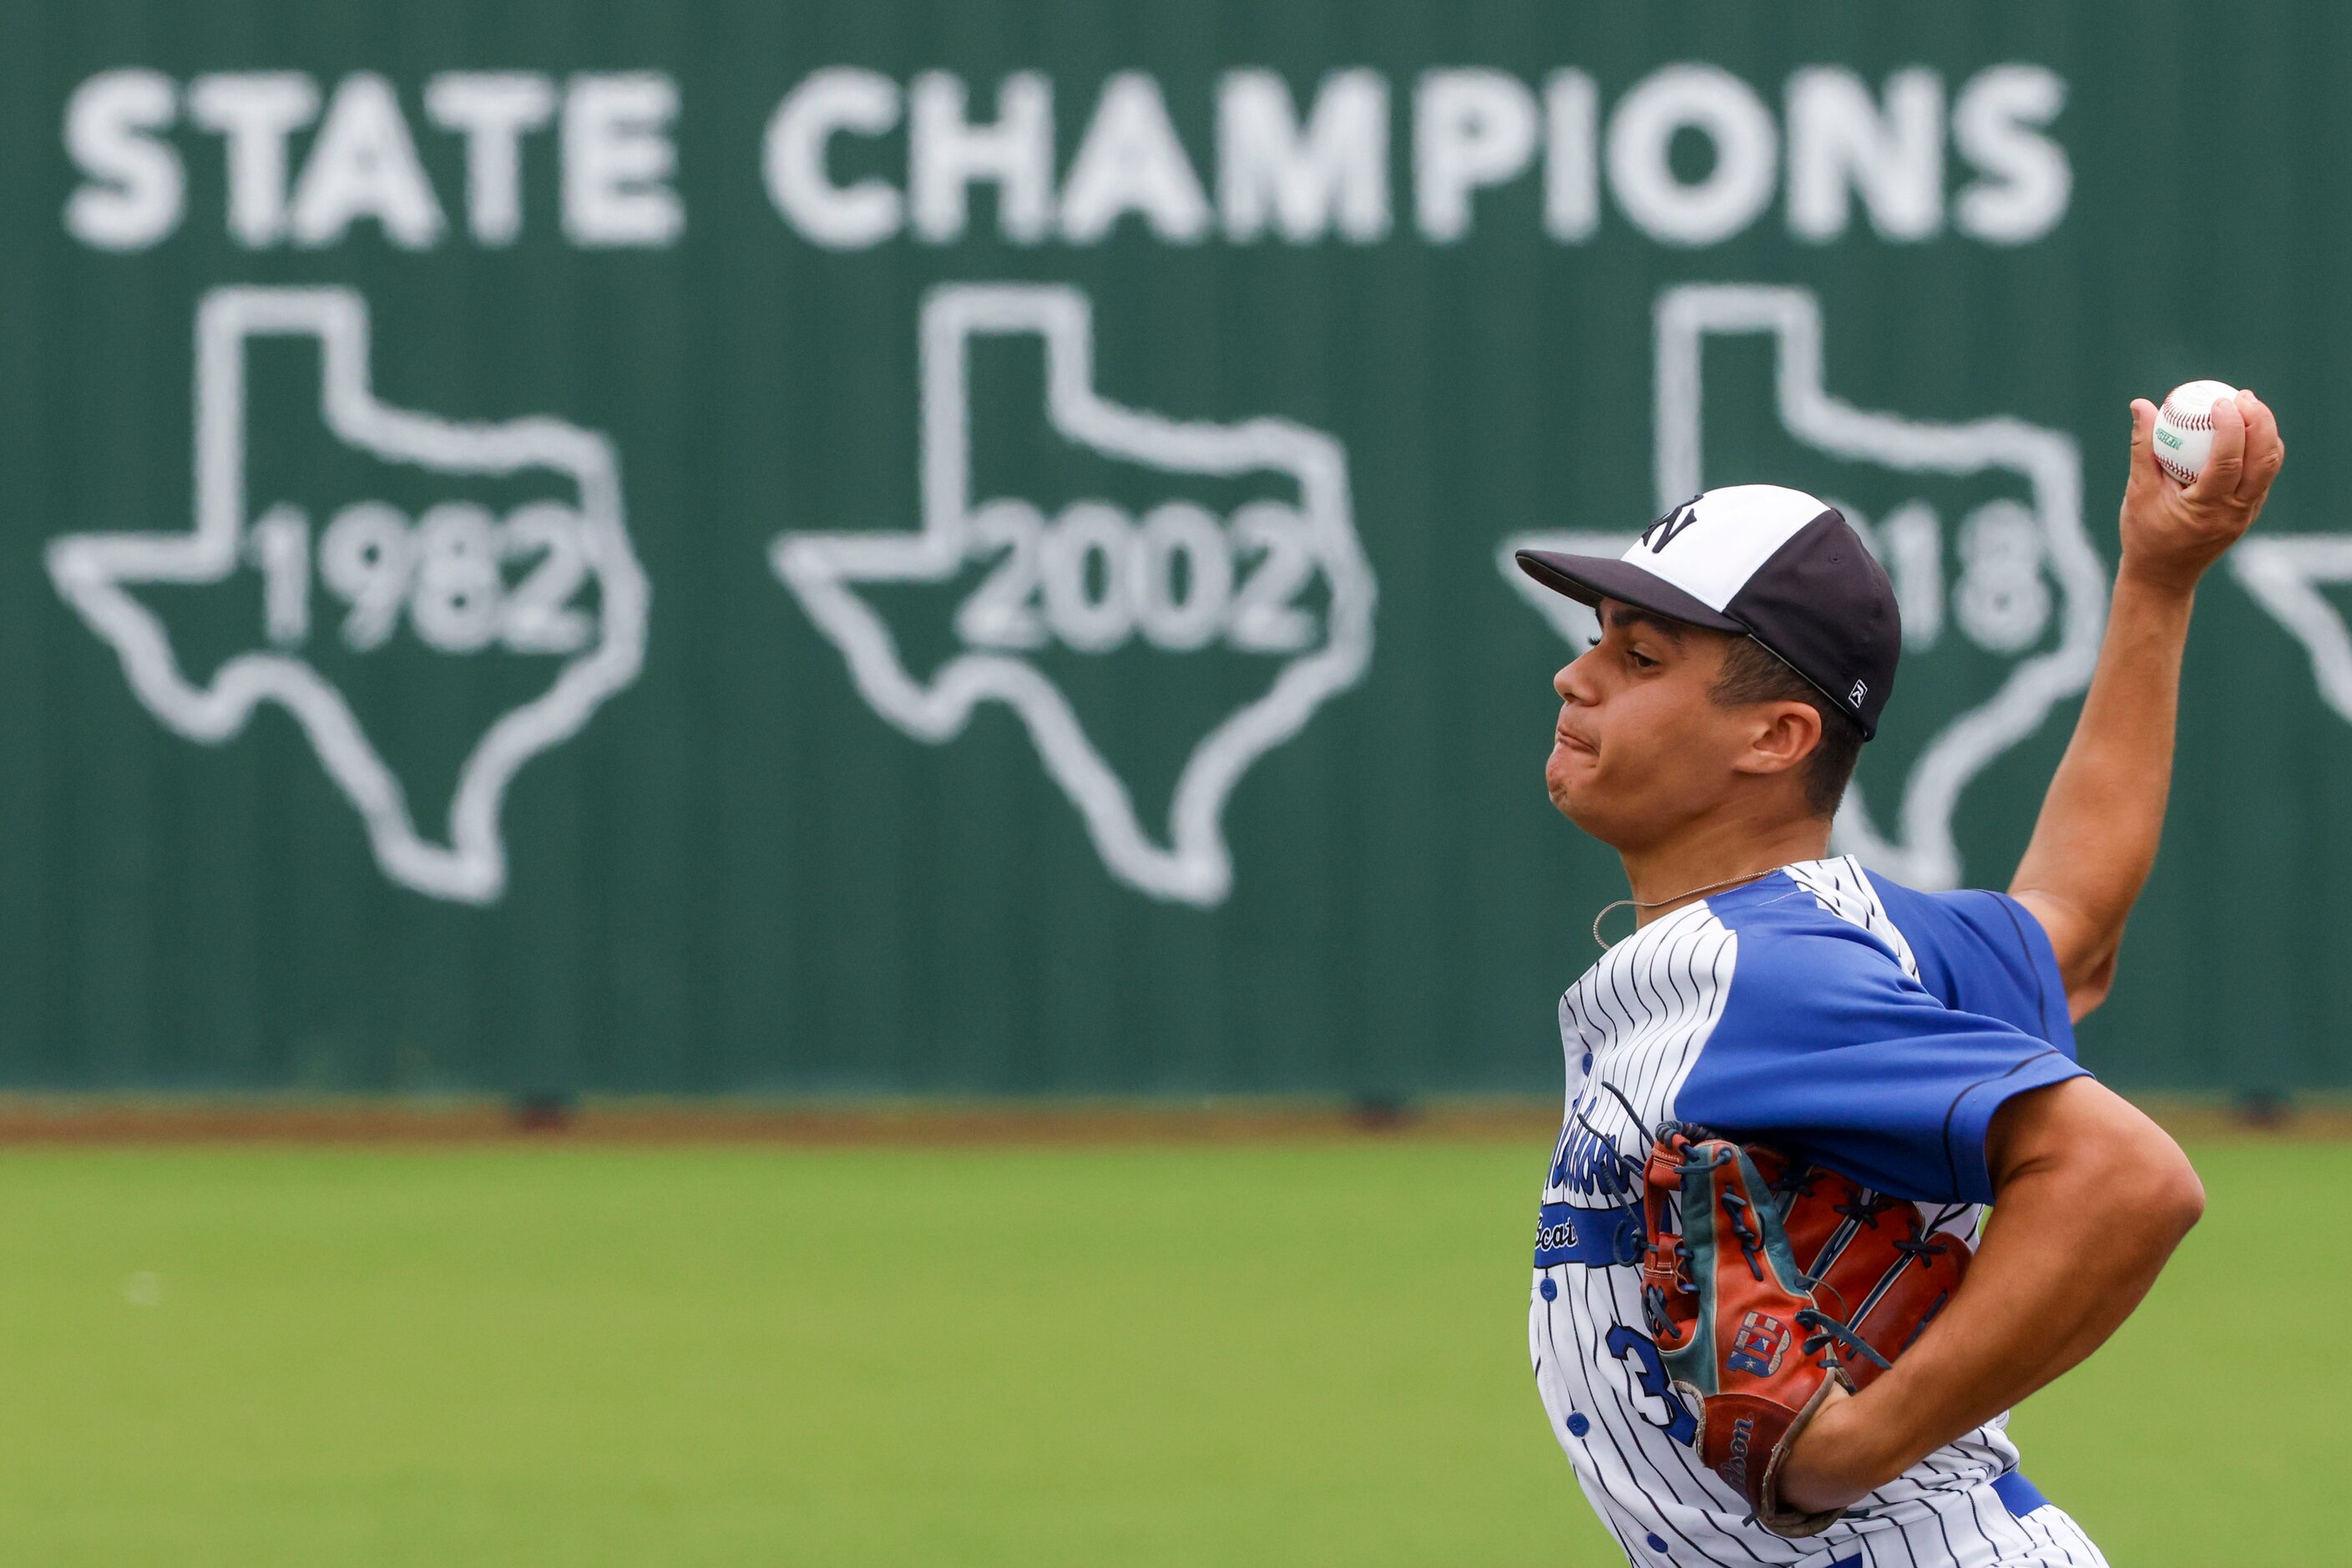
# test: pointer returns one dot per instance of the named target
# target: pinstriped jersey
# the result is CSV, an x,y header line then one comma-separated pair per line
x,y
1849,1021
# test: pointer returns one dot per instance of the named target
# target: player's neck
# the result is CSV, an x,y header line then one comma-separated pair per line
x,y
1665,876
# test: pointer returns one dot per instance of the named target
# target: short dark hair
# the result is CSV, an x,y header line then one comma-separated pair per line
x,y
1754,673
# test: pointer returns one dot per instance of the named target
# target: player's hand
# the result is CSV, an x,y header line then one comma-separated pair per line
x,y
2172,532
1834,1462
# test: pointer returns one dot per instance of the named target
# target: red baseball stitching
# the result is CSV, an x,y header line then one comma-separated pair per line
x,y
2190,421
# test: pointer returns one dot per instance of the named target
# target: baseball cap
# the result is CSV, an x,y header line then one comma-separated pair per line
x,y
1776,565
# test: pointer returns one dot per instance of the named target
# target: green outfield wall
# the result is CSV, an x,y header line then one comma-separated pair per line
x,y
945,548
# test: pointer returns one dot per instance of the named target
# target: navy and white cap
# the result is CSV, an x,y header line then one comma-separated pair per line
x,y
1773,563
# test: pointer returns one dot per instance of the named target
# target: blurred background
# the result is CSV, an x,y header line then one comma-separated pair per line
x,y
772,781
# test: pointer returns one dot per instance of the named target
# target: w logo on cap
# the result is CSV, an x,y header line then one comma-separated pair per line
x,y
1673,523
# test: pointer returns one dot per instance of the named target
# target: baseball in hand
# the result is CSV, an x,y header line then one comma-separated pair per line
x,y
2184,427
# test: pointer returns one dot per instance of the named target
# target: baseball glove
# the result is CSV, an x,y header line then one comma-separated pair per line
x,y
1746,1247
1874,1269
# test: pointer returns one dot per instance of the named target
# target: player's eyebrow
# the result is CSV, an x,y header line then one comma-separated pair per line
x,y
1625,615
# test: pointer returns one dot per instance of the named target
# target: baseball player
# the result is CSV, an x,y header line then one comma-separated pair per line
x,y
1918,1044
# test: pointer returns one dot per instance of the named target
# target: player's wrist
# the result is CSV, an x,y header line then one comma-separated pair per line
x,y
1842,1456
2158,582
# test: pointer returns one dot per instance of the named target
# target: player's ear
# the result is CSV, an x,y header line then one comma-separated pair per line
x,y
1782,736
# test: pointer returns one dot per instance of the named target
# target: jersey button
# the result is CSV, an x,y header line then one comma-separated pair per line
x,y
1579,1425
1656,1544
1547,1290
1588,1061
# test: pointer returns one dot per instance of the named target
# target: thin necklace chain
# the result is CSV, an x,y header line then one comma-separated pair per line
x,y
1673,898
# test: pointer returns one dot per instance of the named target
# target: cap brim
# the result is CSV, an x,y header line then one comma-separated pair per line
x,y
1589,579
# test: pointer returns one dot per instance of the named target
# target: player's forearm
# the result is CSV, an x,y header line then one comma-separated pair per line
x,y
2067,1256
2095,840
2088,1212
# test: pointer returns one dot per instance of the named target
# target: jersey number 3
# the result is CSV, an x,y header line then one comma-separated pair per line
x,y
1650,1379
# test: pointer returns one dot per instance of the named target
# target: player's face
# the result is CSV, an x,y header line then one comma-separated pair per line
x,y
1640,750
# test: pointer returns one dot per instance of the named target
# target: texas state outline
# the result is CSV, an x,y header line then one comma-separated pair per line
x,y
1922,851
1194,865
95,571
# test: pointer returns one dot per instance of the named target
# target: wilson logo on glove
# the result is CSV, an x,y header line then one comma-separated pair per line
x,y
1734,1461
1759,1345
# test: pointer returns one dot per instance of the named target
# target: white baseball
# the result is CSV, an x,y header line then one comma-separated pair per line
x,y
2184,427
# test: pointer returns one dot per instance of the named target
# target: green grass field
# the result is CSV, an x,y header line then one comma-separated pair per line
x,y
1195,1356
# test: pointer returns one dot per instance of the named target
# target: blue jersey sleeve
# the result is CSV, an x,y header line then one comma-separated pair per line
x,y
1983,953
1827,1049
